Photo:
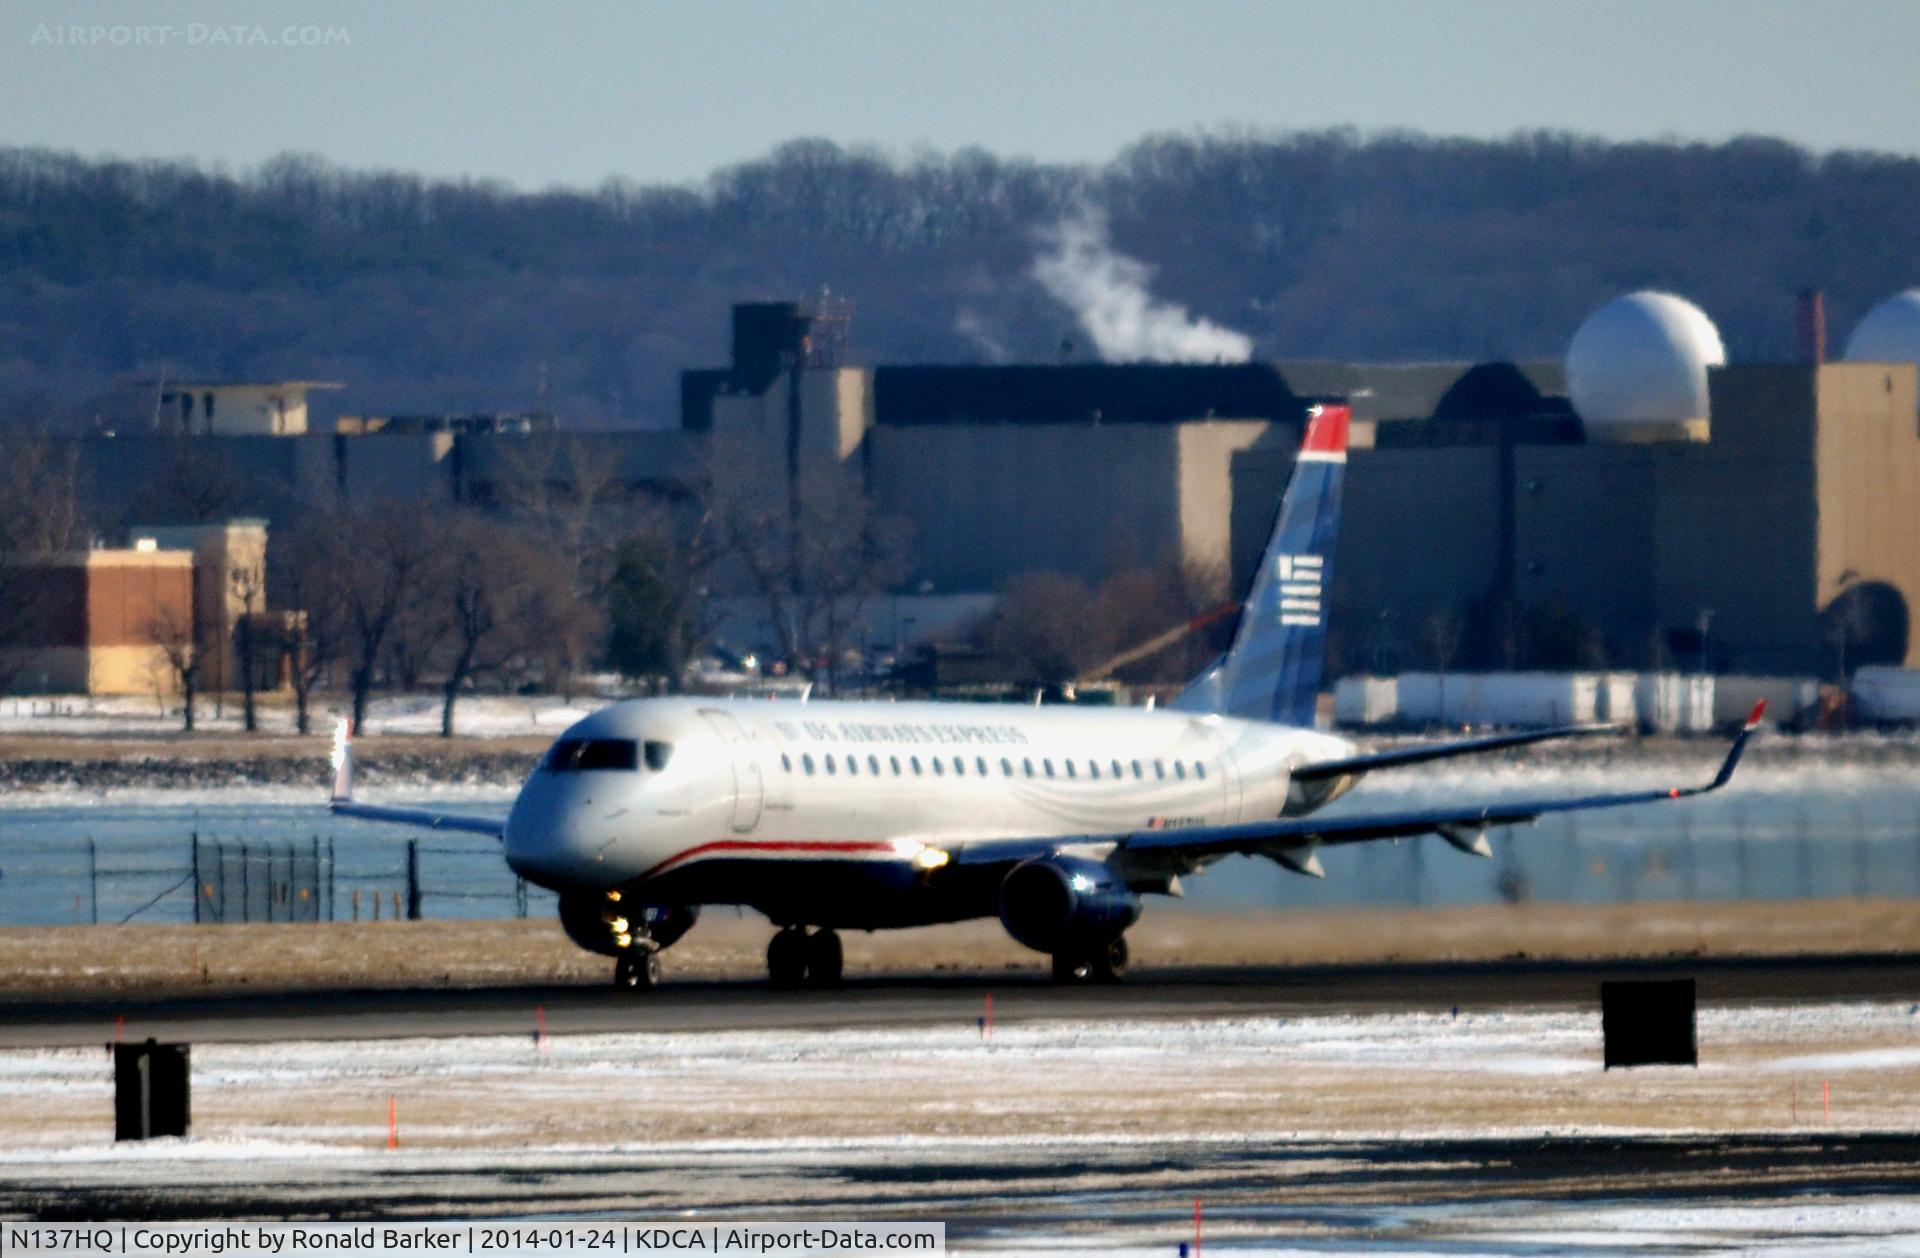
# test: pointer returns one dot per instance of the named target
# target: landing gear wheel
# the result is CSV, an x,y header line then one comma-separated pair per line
x,y
637,971
1103,963
787,958
824,959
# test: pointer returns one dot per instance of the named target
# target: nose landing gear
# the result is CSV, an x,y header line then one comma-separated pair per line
x,y
795,958
637,970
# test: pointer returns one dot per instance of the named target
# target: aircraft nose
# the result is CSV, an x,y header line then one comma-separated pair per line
x,y
546,843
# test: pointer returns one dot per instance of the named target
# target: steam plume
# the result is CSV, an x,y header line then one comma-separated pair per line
x,y
1107,292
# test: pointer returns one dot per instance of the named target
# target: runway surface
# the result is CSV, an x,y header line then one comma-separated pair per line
x,y
921,1000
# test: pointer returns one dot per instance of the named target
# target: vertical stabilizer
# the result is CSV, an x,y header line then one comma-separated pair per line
x,y
1272,670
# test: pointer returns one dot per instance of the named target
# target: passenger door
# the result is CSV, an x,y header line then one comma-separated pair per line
x,y
748,789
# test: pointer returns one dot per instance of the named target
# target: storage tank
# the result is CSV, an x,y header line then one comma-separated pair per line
x,y
1637,369
1890,333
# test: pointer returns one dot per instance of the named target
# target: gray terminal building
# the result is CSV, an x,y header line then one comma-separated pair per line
x,y
1669,501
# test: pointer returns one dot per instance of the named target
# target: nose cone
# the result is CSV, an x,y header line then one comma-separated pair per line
x,y
548,842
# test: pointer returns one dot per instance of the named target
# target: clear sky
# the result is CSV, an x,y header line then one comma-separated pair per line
x,y
540,94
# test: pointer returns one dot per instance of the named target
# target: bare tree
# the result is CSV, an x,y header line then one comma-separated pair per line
x,y
659,609
179,662
1039,628
814,552
247,587
388,546
308,573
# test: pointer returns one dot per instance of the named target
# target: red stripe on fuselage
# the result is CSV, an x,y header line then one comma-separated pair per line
x,y
770,845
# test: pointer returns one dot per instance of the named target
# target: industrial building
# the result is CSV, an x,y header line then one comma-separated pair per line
x,y
1760,518
95,622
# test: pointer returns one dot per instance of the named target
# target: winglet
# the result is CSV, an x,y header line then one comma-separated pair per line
x,y
342,761
1733,753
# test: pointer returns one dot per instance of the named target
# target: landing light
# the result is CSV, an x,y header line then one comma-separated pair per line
x,y
623,941
613,896
1080,882
930,858
619,925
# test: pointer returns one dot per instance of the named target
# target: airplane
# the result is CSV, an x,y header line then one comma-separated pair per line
x,y
828,816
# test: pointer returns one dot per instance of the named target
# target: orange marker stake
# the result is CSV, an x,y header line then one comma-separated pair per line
x,y
1196,1227
1826,1107
393,1125
119,1027
540,1026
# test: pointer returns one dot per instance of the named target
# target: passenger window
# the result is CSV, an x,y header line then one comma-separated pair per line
x,y
1071,772
980,763
1028,766
1116,769
828,759
915,762
873,765
1159,770
853,766
658,753
939,769
959,766
1006,767
806,762
786,763
1200,770
1093,769
895,762
1136,770
1047,764
1180,770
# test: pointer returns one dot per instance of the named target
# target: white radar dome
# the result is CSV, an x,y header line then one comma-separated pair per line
x,y
1639,364
1890,333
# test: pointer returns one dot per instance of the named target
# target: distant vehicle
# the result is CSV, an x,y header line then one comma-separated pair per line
x,y
1057,819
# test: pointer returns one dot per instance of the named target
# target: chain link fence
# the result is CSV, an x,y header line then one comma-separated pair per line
x,y
216,880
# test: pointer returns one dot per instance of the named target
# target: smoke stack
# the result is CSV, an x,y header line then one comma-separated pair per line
x,y
1811,323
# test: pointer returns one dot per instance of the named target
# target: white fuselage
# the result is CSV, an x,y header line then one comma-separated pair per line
x,y
720,791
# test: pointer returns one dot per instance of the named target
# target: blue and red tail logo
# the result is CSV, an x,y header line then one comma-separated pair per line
x,y
1272,670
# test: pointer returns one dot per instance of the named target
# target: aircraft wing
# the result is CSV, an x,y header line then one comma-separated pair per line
x,y
1463,826
343,804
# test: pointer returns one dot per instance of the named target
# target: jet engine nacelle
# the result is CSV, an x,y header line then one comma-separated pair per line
x,y
597,923
1056,903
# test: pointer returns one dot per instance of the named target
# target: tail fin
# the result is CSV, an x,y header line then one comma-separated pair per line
x,y
342,761
1272,670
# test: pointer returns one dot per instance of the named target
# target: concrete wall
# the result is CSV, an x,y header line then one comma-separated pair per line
x,y
1867,457
1585,525
1206,453
1419,533
986,502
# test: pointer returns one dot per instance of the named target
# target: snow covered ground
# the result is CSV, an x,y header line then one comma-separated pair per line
x,y
1336,1132
1385,1075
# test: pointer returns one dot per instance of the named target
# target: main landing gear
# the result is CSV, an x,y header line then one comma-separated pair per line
x,y
637,970
1102,963
795,957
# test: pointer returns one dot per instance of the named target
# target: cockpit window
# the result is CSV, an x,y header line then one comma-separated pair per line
x,y
571,755
658,753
